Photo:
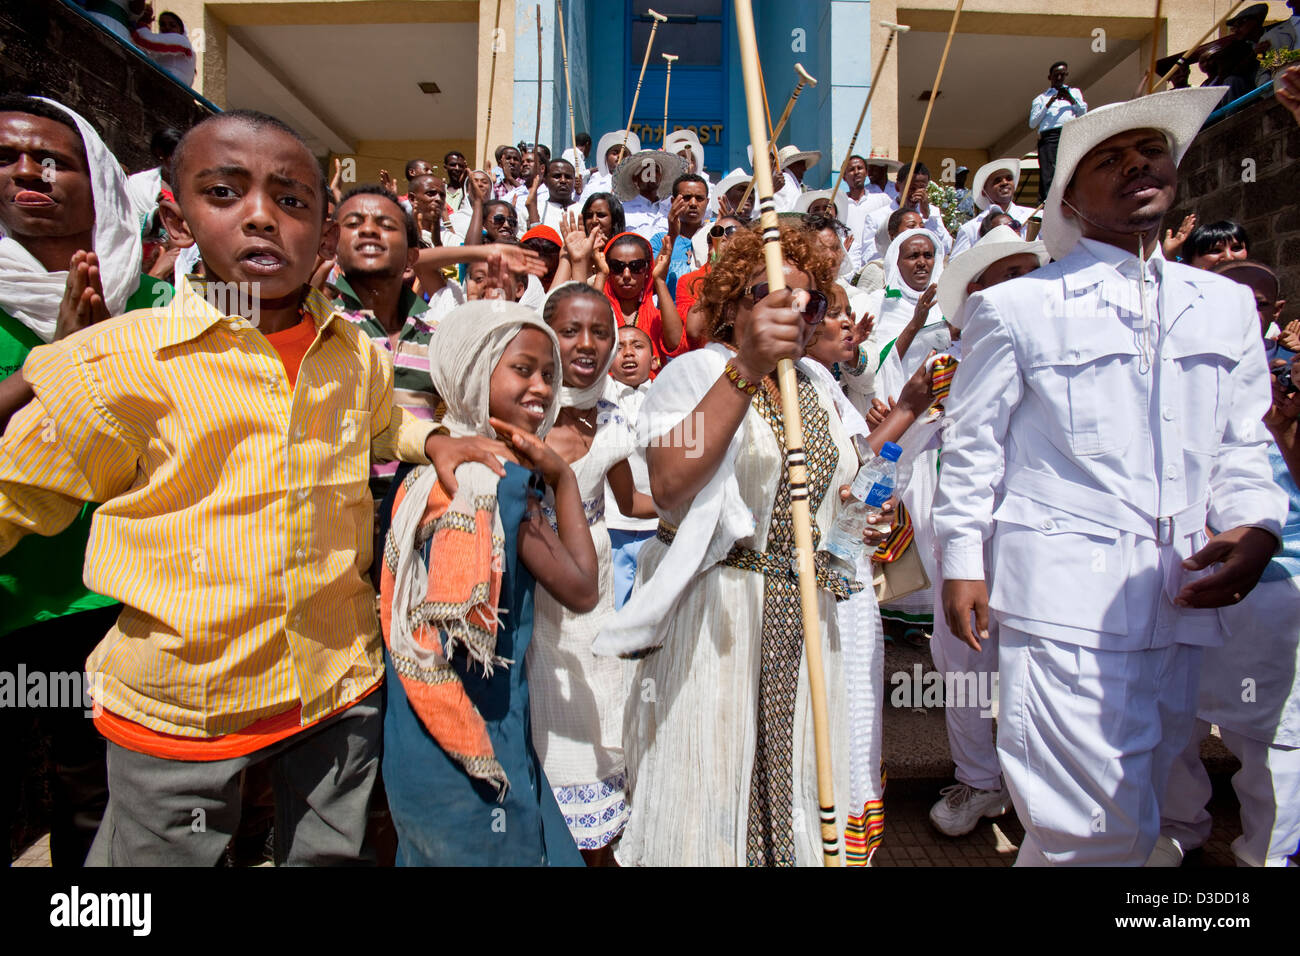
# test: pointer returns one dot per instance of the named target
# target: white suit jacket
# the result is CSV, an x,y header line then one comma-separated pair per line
x,y
1109,474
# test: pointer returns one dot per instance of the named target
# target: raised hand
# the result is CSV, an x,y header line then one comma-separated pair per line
x,y
664,260
320,275
515,259
1290,337
774,332
1174,240
923,306
862,330
675,219
387,181
83,296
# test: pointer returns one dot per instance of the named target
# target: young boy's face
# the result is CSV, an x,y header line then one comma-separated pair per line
x,y
250,197
632,364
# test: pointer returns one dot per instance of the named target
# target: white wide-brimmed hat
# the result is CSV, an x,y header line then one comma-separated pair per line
x,y
737,177
629,172
793,154
878,157
840,199
1179,114
609,141
686,139
988,169
965,267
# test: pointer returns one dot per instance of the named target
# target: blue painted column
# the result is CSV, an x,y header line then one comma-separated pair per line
x,y
846,28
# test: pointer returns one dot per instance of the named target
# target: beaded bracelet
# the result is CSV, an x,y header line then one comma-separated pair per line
x,y
742,383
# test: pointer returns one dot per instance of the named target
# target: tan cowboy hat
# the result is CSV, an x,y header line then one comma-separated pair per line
x,y
965,267
840,200
1179,114
878,157
669,166
609,141
686,139
988,169
789,155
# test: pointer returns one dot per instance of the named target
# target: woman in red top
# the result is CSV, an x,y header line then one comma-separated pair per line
x,y
634,278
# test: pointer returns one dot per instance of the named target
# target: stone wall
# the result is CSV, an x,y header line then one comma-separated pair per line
x,y
1214,182
48,49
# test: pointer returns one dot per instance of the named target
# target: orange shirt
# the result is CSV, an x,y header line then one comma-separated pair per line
x,y
291,345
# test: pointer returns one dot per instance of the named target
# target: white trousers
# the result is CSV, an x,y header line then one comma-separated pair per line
x,y
1267,785
970,727
1086,739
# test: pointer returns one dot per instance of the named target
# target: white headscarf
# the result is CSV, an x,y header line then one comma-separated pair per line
x,y
586,397
894,278
463,352
32,295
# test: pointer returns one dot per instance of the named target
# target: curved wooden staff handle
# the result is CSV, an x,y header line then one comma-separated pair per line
x,y
805,79
658,19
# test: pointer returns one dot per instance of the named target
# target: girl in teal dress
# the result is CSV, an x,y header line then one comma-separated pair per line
x,y
461,560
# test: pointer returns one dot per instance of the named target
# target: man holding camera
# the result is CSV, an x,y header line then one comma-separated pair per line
x,y
1049,112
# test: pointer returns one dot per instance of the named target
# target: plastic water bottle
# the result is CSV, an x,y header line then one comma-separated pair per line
x,y
870,489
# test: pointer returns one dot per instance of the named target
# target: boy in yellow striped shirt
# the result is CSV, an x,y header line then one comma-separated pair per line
x,y
228,437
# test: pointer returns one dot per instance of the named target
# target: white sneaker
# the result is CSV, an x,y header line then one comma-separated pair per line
x,y
960,808
1167,852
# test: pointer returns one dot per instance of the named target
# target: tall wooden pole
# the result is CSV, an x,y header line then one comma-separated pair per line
x,y
492,82
537,127
934,95
805,78
894,29
645,61
668,79
795,463
568,93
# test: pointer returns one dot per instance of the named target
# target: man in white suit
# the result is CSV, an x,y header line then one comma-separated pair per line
x,y
1118,397
994,187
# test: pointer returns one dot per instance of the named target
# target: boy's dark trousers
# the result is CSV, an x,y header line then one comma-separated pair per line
x,y
183,813
78,786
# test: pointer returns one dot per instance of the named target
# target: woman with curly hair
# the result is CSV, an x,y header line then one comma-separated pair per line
x,y
718,729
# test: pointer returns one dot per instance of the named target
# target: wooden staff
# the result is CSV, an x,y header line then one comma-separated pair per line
x,y
667,83
645,61
492,79
537,127
805,78
798,475
894,29
1155,36
568,93
1205,36
934,95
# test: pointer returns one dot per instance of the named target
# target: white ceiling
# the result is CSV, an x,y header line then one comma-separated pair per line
x,y
344,83
989,82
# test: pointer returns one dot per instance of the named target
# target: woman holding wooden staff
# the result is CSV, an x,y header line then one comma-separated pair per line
x,y
718,733
731,730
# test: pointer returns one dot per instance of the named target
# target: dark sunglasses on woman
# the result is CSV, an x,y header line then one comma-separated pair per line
x,y
500,219
719,232
813,312
637,266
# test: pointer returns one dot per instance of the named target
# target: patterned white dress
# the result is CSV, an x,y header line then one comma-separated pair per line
x,y
577,697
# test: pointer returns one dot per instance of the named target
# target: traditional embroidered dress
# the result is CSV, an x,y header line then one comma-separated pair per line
x,y
577,697
718,733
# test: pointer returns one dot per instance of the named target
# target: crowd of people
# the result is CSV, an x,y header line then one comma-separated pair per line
x,y
452,522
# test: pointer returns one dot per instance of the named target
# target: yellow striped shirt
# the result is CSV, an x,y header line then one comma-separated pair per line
x,y
236,522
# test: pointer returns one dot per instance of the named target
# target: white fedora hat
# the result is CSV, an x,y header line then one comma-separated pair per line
x,y
840,200
1179,114
669,166
609,141
988,169
793,154
686,139
737,177
878,157
965,267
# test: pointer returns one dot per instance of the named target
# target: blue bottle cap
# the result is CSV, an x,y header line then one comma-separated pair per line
x,y
890,451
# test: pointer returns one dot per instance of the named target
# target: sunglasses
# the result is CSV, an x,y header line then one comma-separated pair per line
x,y
719,232
813,312
636,266
500,219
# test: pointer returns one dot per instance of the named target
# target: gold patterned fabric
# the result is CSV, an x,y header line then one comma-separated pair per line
x,y
770,828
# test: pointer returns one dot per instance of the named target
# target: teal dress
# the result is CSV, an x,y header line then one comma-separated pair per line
x,y
443,816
